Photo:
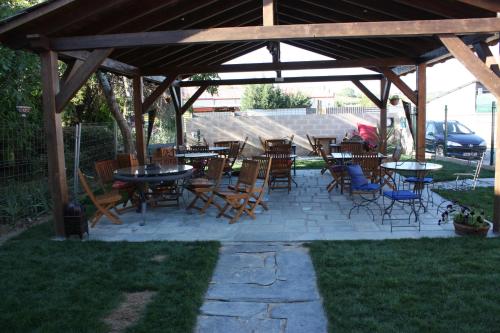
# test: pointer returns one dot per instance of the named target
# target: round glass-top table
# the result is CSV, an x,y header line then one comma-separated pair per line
x,y
197,155
151,173
411,166
216,149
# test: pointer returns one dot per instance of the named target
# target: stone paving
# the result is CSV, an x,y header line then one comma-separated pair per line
x,y
262,287
307,213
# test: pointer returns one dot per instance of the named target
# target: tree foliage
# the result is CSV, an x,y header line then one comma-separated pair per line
x,y
268,96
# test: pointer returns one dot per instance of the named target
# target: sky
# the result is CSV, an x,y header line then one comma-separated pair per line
x,y
440,78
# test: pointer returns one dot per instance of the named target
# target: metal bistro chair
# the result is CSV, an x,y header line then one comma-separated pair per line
x,y
368,193
410,197
461,182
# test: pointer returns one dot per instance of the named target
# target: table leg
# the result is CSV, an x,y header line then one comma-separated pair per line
x,y
142,203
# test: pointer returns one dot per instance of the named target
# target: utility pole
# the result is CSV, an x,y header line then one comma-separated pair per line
x,y
492,145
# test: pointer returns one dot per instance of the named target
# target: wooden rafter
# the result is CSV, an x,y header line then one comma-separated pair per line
x,y
285,80
368,93
484,53
470,61
396,80
193,98
288,32
491,5
158,92
385,88
80,76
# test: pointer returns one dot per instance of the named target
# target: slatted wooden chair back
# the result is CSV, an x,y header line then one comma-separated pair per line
x,y
127,160
352,147
276,142
264,167
369,162
215,169
248,175
165,156
324,155
281,158
292,137
198,149
104,171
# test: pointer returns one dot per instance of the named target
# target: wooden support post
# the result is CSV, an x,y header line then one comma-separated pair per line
x,y
496,204
384,92
54,137
139,120
421,110
175,93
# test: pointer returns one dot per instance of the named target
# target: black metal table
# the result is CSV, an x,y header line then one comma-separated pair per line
x,y
151,173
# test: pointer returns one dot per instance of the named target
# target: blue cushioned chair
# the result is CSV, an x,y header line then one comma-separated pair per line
x,y
367,192
410,197
426,181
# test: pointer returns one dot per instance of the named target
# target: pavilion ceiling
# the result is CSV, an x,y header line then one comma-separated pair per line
x,y
68,18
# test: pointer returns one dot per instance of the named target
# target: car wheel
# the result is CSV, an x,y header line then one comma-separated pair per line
x,y
439,151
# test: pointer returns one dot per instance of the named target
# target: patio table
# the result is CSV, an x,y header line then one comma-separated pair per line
x,y
151,173
217,149
411,166
197,155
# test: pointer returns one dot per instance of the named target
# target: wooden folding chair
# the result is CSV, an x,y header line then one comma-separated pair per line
x,y
243,146
237,199
370,165
262,143
336,171
162,194
127,160
352,147
314,147
203,188
281,167
389,174
103,202
104,170
263,175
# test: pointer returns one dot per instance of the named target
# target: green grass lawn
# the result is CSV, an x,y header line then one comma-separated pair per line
x,y
480,199
449,168
424,285
70,286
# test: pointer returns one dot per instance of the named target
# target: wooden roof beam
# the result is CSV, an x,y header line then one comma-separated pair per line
x,y
368,93
193,99
148,102
231,82
108,64
470,61
288,32
491,5
396,80
81,75
287,66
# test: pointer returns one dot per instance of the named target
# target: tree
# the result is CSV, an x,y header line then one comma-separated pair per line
x,y
268,96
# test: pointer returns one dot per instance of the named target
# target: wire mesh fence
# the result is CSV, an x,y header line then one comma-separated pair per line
x,y
23,165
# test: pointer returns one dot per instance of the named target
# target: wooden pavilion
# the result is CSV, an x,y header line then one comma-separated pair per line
x,y
173,39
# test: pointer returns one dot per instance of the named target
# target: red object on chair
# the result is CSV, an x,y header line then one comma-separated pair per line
x,y
369,134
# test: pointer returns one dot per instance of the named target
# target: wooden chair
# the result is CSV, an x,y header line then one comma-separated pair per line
x,y
281,167
162,194
389,174
127,160
103,202
164,156
263,175
273,142
237,198
243,146
198,149
232,156
336,171
104,171
203,188
352,147
314,147
262,143
226,143
370,165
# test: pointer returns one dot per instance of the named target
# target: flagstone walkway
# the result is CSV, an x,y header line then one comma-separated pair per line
x,y
263,287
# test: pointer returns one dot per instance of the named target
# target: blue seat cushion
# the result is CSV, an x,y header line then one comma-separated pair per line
x,y
425,180
366,187
401,195
356,174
